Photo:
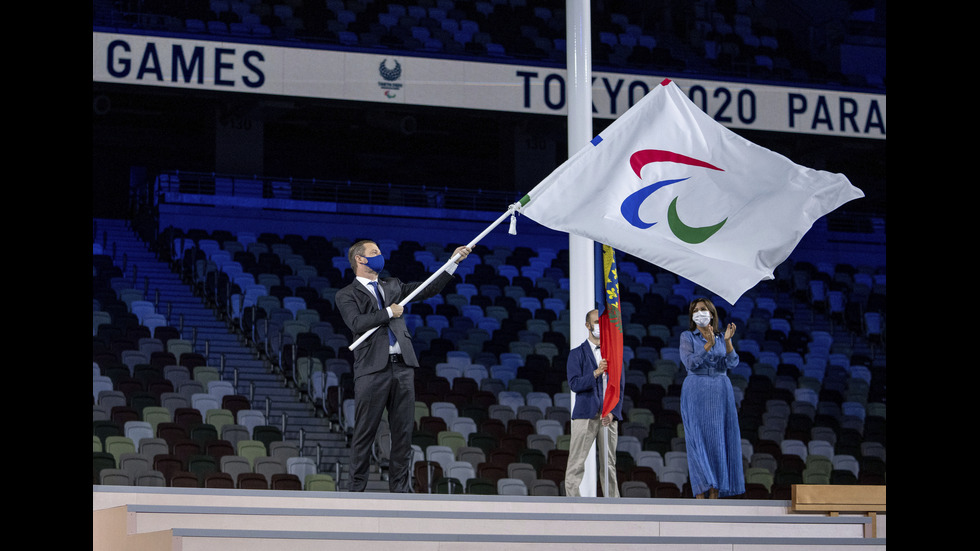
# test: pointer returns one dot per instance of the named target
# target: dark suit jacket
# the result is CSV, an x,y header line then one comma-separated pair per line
x,y
359,309
581,363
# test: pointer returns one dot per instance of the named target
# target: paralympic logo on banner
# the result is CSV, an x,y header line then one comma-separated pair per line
x,y
631,206
389,85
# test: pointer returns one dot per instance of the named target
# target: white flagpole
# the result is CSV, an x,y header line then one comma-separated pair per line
x,y
511,212
581,253
605,462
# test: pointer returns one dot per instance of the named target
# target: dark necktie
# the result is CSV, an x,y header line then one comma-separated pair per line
x,y
381,305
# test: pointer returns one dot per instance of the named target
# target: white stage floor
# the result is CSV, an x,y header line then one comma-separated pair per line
x,y
186,519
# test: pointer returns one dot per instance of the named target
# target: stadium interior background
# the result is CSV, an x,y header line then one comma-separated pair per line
x,y
139,132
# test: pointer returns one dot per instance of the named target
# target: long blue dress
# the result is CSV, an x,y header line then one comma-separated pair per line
x,y
714,442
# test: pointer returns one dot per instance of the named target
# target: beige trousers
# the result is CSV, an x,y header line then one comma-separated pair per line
x,y
584,433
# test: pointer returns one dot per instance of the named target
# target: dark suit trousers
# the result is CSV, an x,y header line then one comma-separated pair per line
x,y
393,388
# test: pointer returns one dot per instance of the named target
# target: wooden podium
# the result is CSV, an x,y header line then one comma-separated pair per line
x,y
834,499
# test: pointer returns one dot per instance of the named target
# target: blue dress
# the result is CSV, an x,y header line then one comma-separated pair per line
x,y
714,442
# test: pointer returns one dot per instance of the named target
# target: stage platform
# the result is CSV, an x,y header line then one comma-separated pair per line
x,y
189,519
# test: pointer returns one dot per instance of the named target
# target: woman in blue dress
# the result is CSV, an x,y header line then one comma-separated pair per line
x,y
714,442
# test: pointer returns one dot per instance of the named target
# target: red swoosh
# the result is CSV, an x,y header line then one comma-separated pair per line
x,y
646,156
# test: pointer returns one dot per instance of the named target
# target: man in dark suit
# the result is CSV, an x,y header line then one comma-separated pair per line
x,y
587,379
384,362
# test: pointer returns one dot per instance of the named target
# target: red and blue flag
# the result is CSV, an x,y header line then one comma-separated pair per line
x,y
610,323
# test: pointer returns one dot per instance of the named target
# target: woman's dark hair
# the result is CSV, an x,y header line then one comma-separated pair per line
x,y
711,308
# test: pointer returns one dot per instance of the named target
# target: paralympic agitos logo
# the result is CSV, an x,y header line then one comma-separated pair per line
x,y
631,206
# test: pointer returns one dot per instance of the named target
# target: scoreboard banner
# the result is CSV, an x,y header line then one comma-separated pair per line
x,y
242,67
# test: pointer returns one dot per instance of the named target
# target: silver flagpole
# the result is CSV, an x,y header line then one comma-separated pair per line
x,y
605,432
511,212
605,461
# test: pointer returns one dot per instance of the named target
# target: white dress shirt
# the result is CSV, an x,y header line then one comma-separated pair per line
x,y
396,349
602,382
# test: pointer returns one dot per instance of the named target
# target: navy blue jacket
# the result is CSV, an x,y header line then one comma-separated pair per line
x,y
581,364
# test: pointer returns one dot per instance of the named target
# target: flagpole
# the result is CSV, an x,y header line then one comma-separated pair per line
x,y
605,461
581,257
511,212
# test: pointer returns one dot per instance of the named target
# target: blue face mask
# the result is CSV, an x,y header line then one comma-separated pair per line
x,y
376,263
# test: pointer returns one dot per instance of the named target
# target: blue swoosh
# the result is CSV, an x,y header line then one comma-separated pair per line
x,y
631,206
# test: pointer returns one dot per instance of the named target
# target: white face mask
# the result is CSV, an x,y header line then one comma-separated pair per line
x,y
595,330
702,318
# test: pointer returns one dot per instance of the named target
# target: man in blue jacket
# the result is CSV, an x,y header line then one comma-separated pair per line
x,y
587,379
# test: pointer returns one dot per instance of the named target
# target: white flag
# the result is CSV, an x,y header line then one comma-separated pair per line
x,y
668,184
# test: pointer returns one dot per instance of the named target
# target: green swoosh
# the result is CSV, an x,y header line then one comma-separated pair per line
x,y
686,233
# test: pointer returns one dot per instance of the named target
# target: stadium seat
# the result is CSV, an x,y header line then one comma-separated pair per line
x,y
151,478
252,481
511,486
320,482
